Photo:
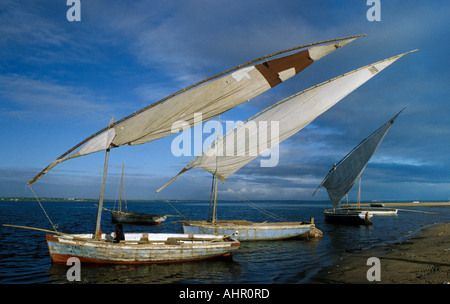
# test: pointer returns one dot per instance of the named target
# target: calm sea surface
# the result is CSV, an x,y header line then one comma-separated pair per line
x,y
24,254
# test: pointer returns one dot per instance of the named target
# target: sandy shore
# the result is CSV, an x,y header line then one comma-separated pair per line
x,y
422,259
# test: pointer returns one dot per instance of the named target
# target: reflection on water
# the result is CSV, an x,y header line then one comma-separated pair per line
x,y
213,271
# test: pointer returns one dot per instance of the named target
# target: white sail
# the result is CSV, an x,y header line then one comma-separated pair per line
x,y
344,174
292,114
210,97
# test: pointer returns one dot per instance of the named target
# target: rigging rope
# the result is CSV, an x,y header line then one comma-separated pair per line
x,y
51,223
247,201
168,202
260,209
117,195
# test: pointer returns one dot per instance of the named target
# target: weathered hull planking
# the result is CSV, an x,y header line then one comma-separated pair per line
x,y
248,231
136,218
139,249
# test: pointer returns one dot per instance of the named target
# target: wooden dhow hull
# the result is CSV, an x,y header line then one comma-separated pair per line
x,y
140,248
249,231
136,218
373,210
347,217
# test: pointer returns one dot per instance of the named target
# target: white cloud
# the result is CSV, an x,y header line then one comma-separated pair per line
x,y
38,98
22,23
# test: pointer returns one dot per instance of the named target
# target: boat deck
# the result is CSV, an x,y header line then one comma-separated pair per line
x,y
149,238
139,248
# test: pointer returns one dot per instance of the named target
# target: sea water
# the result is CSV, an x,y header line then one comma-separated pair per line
x,y
24,256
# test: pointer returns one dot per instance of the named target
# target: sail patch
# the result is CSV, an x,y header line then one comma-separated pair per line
x,y
286,74
242,73
99,143
373,70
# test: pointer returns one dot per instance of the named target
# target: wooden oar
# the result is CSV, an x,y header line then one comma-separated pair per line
x,y
64,234
45,230
32,228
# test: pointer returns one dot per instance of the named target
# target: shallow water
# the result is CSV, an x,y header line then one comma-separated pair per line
x,y
24,254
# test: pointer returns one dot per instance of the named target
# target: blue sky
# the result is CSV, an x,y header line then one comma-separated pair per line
x,y
62,81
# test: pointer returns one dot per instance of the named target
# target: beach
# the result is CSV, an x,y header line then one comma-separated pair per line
x,y
423,258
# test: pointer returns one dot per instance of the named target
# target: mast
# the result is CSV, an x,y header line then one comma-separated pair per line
x,y
359,193
120,197
215,177
215,200
98,231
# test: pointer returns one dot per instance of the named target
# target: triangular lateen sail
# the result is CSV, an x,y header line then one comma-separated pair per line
x,y
292,114
210,97
346,172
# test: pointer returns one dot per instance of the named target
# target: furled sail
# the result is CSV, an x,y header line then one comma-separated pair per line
x,y
211,97
344,174
292,114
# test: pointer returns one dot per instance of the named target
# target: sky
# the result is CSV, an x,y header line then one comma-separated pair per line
x,y
61,81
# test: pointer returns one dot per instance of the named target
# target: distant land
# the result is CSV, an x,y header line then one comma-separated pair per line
x,y
43,199
71,199
387,203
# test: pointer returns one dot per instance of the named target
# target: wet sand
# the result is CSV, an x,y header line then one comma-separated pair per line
x,y
422,259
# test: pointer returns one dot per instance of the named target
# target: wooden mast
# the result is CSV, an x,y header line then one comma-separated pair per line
x,y
214,203
359,193
98,230
120,197
215,182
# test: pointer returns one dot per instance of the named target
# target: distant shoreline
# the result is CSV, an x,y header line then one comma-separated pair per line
x,y
422,259
439,203
412,204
